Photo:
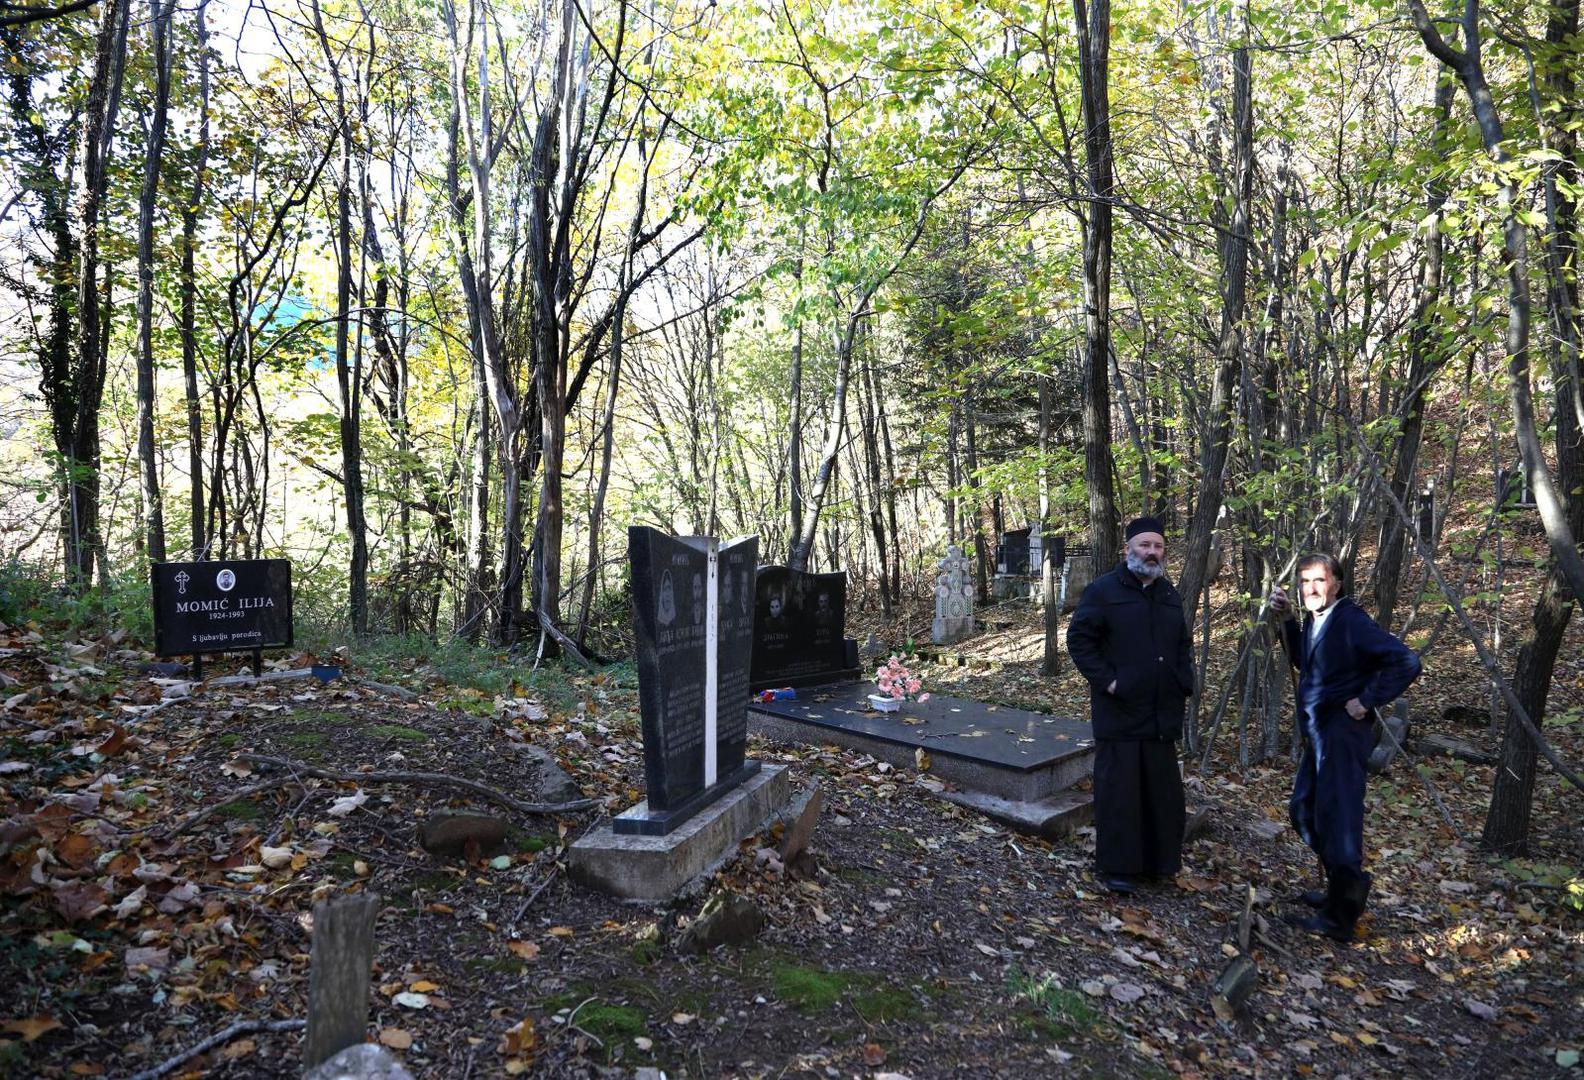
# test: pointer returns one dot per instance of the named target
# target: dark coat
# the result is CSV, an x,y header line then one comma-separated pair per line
x,y
1136,636
1354,658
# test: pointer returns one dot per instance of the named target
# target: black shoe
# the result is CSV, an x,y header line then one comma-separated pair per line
x,y
1121,884
1323,924
1315,898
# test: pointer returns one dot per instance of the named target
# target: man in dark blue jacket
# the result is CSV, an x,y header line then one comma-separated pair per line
x,y
1348,667
1129,640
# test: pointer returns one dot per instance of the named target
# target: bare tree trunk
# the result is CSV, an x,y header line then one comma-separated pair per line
x,y
160,53
347,384
795,415
1094,56
77,439
1050,603
1229,346
189,290
1512,797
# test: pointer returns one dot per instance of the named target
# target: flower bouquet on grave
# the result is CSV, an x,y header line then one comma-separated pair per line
x,y
895,684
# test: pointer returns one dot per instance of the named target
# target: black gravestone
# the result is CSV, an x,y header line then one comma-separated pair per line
x,y
1513,490
211,607
1015,549
800,629
1056,549
671,579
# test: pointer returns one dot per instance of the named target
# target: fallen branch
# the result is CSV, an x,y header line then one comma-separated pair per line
x,y
246,793
241,1027
421,778
295,770
566,643
400,692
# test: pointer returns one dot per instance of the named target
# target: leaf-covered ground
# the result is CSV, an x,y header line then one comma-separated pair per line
x,y
155,886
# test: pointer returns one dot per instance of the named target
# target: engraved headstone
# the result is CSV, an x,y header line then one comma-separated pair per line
x,y
213,607
694,627
953,599
800,629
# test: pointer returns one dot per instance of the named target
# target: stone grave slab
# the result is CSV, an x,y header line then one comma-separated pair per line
x,y
993,750
647,867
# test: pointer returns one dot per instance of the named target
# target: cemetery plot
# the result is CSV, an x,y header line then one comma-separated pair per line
x,y
1006,752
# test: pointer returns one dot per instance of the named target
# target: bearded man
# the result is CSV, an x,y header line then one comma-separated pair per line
x,y
1128,639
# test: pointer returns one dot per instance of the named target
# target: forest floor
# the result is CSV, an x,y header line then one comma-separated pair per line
x,y
925,941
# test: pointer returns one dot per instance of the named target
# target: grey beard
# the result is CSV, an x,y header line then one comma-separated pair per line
x,y
1144,569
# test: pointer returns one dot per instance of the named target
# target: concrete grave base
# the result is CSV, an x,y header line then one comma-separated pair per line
x,y
658,867
1052,817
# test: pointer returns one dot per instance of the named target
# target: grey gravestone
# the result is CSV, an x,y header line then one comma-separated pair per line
x,y
693,616
953,599
799,636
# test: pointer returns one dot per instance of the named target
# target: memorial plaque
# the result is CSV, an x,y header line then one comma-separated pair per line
x,y
800,629
212,607
694,632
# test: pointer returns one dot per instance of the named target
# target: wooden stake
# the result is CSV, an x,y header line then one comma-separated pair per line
x,y
338,975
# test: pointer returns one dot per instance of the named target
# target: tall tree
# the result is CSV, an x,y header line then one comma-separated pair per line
x,y
1093,22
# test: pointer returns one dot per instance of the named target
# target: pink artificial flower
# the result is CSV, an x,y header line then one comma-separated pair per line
x,y
913,686
923,697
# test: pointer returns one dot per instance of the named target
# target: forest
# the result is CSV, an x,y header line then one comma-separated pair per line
x,y
436,298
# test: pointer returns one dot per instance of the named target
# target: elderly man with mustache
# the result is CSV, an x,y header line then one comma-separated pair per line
x,y
1128,639
1348,668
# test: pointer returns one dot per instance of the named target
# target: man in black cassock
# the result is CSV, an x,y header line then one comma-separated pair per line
x,y
1129,640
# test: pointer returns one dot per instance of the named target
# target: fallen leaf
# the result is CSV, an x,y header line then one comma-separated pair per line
x,y
130,903
32,1027
561,931
395,1038
138,958
239,1049
988,950
1479,1009
1127,992
275,858
409,1000
519,1040
348,803
423,986
115,743
874,1055
77,901
682,1019
527,950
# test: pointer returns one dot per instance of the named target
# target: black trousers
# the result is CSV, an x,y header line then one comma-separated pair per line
x,y
1138,801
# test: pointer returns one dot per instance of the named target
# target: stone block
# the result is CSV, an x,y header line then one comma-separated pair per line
x,y
638,867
